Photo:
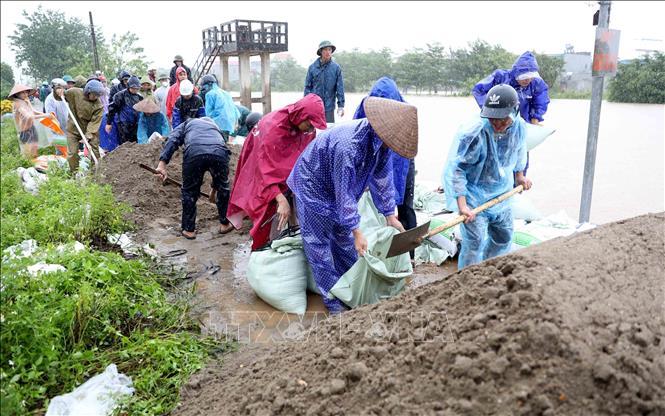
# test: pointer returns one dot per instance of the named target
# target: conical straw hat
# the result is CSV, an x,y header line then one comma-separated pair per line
x,y
395,123
147,105
19,88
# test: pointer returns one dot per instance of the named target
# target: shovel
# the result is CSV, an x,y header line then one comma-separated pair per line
x,y
409,240
85,140
169,180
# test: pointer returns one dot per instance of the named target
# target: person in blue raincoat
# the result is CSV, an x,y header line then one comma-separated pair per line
x,y
483,159
403,169
324,78
122,105
151,120
331,175
219,105
531,89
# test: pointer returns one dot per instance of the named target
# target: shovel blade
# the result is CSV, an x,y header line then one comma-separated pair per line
x,y
408,240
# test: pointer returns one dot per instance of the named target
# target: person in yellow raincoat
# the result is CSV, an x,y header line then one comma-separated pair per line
x,y
88,110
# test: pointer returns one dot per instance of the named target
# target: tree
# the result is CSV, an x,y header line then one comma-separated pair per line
x,y
50,44
409,70
123,53
6,80
640,81
550,67
362,69
436,66
287,75
468,66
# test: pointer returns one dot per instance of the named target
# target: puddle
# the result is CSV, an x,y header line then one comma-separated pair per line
x,y
224,303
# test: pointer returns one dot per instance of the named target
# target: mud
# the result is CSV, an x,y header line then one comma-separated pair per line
x,y
571,326
144,192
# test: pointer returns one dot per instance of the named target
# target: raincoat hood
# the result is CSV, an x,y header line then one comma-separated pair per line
x,y
309,108
174,93
525,63
384,88
123,74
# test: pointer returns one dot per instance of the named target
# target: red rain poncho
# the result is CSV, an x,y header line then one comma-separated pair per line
x,y
266,160
174,93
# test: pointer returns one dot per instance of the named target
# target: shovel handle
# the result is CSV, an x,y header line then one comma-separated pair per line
x,y
85,140
169,180
476,210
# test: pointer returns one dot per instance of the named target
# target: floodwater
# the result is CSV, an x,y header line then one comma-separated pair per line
x,y
629,177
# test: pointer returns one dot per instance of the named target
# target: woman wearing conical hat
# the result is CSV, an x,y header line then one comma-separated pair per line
x,y
24,117
151,120
330,177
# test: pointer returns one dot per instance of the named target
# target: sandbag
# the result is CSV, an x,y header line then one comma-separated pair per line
x,y
428,200
373,277
536,134
279,275
523,208
553,226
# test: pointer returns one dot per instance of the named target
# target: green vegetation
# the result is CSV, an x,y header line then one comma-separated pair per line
x,y
51,45
285,75
640,81
571,95
60,329
6,80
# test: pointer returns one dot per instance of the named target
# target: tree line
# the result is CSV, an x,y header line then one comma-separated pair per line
x,y
51,45
430,69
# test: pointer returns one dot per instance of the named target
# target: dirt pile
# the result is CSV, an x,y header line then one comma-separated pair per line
x,y
145,193
572,326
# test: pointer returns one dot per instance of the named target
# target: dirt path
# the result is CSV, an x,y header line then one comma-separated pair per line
x,y
572,326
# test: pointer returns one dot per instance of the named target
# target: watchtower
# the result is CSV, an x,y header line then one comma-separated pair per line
x,y
242,38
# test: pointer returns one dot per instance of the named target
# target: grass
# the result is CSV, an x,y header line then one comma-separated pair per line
x,y
59,329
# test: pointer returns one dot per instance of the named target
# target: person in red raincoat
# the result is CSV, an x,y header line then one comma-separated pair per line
x,y
266,160
174,92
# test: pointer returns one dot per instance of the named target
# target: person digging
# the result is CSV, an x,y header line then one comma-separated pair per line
x,y
204,151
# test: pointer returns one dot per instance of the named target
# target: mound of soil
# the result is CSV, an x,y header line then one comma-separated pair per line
x,y
571,326
144,192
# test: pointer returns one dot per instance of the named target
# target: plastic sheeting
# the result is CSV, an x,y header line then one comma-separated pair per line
x,y
96,397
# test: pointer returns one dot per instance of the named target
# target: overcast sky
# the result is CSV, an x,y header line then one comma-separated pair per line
x,y
167,28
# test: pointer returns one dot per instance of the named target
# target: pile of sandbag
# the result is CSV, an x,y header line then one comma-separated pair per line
x,y
281,275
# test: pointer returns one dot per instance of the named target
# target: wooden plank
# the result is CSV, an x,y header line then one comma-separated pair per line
x,y
265,74
245,80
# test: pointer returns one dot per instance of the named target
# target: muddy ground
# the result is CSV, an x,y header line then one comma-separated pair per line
x,y
143,191
572,326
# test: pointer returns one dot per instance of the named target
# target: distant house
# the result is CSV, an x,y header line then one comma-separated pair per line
x,y
576,73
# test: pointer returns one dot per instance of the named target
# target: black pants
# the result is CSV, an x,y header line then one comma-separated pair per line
x,y
127,133
330,116
193,170
405,211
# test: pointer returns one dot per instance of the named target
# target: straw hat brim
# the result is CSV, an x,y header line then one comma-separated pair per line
x,y
19,88
395,123
147,106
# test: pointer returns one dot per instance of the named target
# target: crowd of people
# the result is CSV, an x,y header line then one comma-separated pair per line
x,y
286,171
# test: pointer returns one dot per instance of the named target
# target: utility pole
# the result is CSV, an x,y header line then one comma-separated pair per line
x,y
594,120
94,44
